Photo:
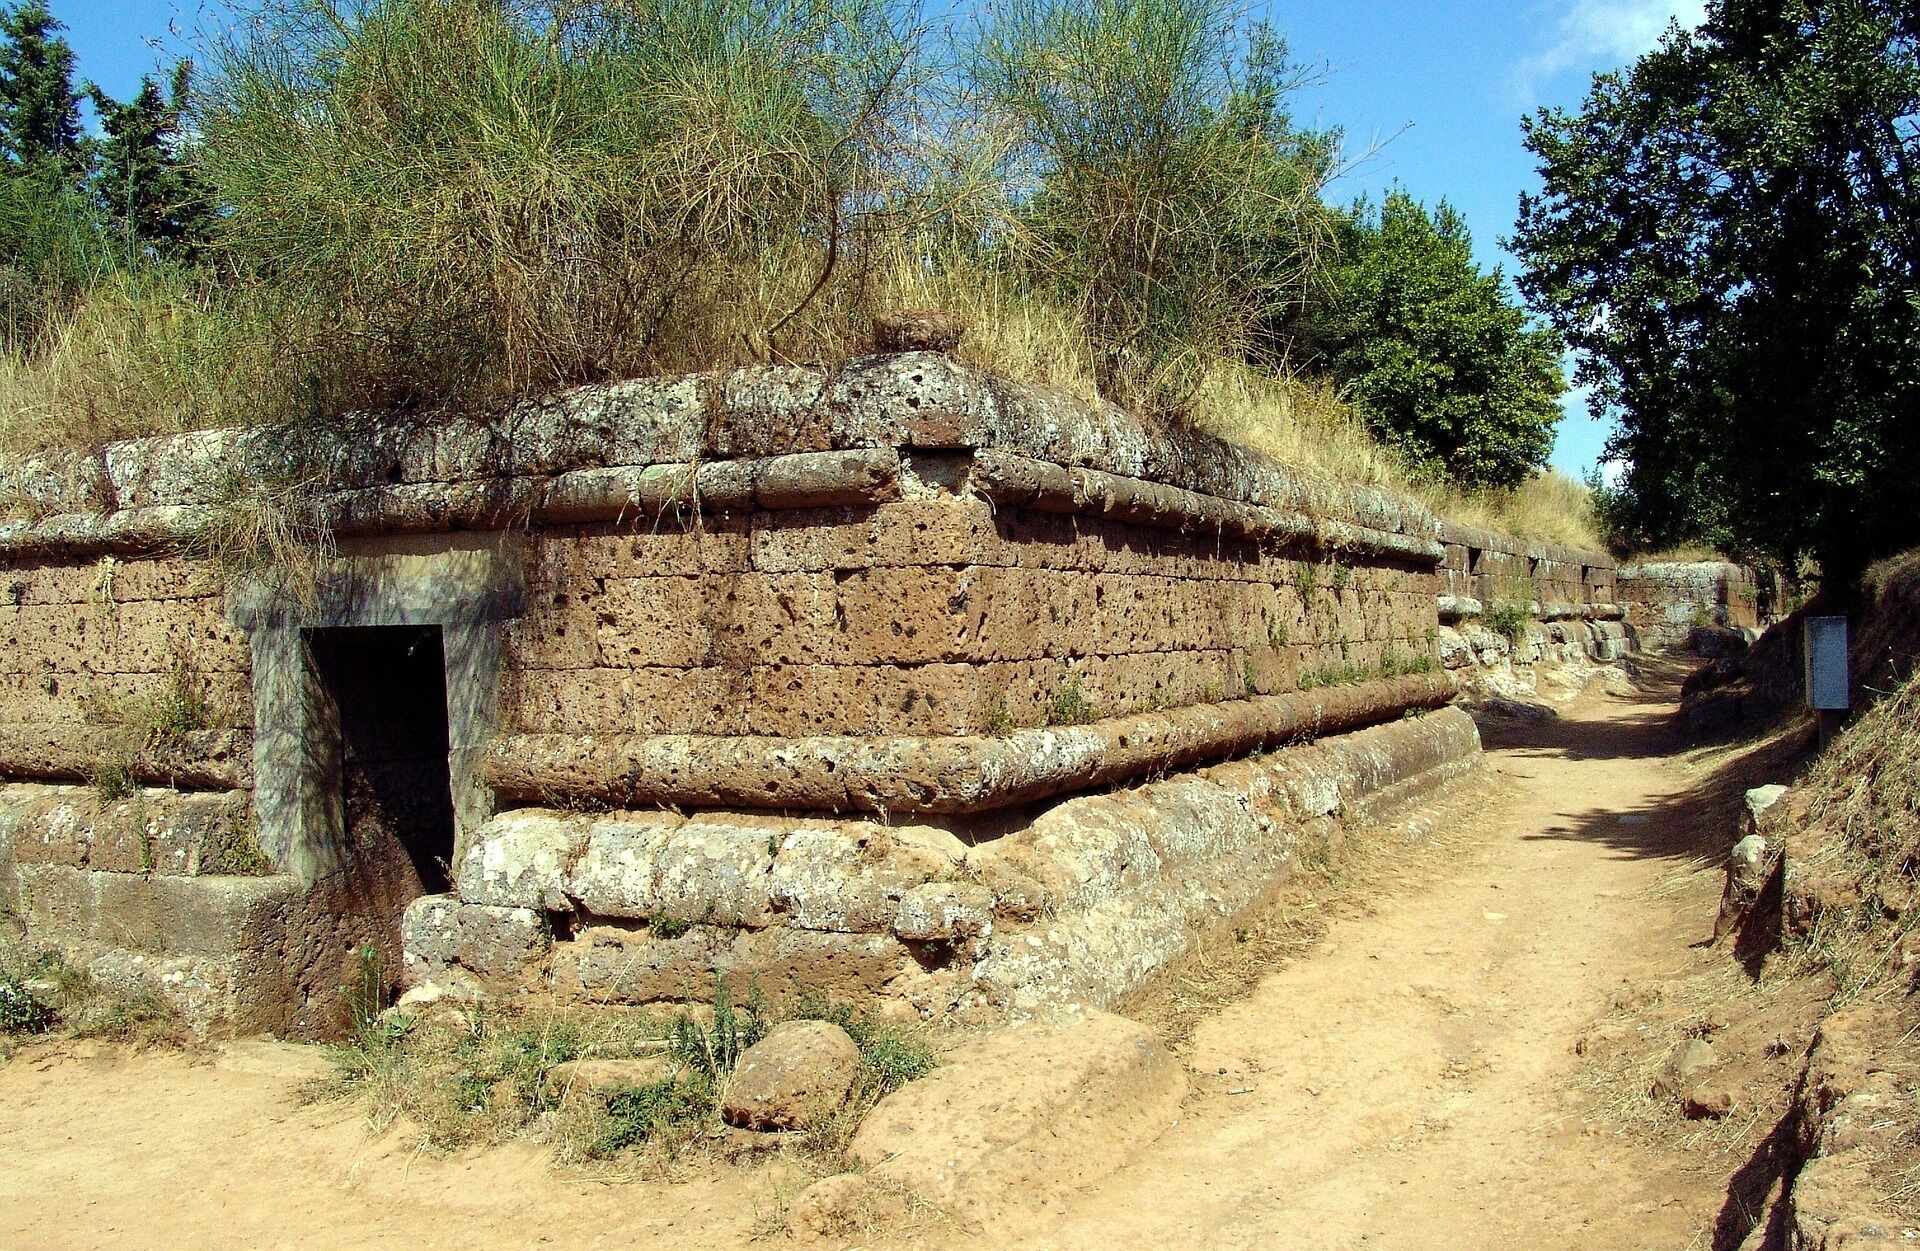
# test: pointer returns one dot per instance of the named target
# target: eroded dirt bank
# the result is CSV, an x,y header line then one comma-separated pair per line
x,y
1407,1084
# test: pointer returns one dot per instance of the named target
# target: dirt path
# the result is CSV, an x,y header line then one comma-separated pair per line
x,y
1405,1086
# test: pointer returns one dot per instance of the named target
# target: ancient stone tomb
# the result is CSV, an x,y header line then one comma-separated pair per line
x,y
897,681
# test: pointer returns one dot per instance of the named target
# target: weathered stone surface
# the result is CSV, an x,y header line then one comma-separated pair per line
x,y
9,877
1845,1115
613,965
1117,882
522,861
618,873
1707,1102
944,912
438,932
201,989
1023,1114
790,965
211,916
1757,802
850,877
716,871
201,759
155,831
1079,902
823,479
619,965
794,1078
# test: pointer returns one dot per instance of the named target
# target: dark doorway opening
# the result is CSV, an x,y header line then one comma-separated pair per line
x,y
386,691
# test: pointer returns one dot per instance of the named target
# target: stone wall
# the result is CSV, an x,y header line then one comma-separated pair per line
x,y
164,891
1508,606
772,601
1667,599
949,614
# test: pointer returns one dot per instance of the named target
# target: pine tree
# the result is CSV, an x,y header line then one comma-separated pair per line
x,y
143,183
39,108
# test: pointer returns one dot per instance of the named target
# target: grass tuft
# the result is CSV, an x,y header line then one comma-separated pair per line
x,y
486,1073
41,993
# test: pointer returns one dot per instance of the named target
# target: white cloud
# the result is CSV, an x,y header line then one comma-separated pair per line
x,y
1603,34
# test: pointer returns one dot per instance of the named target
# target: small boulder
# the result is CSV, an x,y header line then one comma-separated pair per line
x,y
1758,800
1708,1103
797,1076
1689,1060
1043,1107
1749,865
917,330
836,1206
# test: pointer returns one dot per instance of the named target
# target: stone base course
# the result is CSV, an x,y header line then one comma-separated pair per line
x,y
954,774
1080,901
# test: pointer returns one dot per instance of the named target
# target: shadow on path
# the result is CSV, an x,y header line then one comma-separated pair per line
x,y
1698,821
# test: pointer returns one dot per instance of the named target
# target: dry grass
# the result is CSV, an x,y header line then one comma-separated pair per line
x,y
1863,850
148,353
161,359
1549,506
1686,554
42,993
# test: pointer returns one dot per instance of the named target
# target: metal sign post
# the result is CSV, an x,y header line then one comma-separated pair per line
x,y
1825,645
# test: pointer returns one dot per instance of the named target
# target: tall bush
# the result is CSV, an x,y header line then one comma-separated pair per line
x,y
473,196
1444,366
1157,182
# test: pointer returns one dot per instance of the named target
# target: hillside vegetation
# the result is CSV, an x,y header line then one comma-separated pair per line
x,y
382,204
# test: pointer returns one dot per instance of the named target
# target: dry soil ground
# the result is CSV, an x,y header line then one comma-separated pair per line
x,y
1409,1083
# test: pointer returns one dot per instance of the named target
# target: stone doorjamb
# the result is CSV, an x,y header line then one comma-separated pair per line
x,y
465,584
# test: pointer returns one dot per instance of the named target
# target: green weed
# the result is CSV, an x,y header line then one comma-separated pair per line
x,y
1508,620
1070,705
1307,579
665,925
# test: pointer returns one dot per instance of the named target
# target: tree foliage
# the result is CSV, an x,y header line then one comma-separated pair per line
x,y
39,108
76,210
147,192
1729,236
1441,363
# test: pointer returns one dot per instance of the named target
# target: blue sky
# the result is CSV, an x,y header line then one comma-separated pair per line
x,y
1429,92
